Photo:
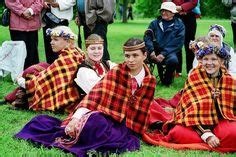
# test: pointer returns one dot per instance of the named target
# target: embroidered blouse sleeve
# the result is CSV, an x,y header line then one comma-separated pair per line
x,y
80,112
86,78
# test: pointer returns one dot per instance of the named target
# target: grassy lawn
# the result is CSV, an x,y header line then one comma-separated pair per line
x,y
13,120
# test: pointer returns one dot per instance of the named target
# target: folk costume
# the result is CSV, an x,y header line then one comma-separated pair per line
x,y
54,88
200,111
89,74
32,70
91,70
109,96
113,114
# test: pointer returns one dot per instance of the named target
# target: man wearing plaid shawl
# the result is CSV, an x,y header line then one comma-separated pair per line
x,y
106,119
53,88
205,117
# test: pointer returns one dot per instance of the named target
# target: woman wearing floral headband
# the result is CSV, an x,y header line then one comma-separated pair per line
x,y
216,35
110,117
205,117
51,87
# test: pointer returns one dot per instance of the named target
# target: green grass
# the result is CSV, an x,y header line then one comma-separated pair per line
x,y
12,121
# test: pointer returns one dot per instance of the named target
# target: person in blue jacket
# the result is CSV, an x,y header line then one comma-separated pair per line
x,y
164,38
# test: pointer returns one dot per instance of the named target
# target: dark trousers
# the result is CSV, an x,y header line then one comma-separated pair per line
x,y
180,59
233,25
190,23
31,42
50,55
101,30
167,68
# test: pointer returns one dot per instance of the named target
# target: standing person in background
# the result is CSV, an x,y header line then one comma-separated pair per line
x,y
24,25
232,4
63,9
95,16
121,8
130,11
184,8
233,21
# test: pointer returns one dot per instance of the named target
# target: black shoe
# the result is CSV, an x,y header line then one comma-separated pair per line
x,y
156,126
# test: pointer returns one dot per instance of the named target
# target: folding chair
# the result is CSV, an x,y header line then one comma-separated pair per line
x,y
151,64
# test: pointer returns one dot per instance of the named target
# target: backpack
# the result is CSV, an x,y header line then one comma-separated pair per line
x,y
227,3
5,19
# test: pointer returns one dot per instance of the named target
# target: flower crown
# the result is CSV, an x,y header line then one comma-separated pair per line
x,y
210,49
219,28
193,45
60,33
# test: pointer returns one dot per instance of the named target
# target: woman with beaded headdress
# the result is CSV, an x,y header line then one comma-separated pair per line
x,y
51,87
93,68
110,116
205,117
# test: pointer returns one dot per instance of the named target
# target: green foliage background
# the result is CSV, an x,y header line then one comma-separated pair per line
x,y
150,8
209,8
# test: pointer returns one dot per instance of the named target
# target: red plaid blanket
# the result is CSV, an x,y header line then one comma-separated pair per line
x,y
197,106
53,88
112,96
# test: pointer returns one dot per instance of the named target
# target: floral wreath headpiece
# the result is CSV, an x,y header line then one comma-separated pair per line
x,y
60,33
210,49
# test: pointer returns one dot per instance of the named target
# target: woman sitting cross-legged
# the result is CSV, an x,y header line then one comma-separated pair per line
x,y
110,116
51,87
205,117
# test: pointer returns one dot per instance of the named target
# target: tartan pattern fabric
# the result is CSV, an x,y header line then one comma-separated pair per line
x,y
112,96
197,107
53,88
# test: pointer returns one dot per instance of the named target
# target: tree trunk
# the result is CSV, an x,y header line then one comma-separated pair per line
x,y
125,11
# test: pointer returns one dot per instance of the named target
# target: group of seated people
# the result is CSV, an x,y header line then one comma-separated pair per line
x,y
111,106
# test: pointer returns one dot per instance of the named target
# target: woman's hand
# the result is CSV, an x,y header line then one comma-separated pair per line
x,y
213,141
27,15
70,129
46,5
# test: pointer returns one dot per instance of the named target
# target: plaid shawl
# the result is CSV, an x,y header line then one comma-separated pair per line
x,y
197,107
53,88
112,96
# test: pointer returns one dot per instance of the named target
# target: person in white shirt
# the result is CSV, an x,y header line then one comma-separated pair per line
x,y
63,9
